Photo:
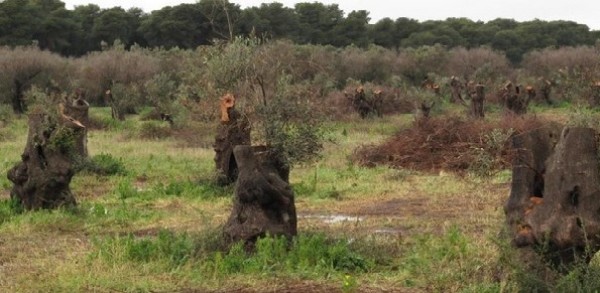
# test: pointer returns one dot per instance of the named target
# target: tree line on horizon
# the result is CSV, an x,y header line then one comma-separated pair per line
x,y
88,28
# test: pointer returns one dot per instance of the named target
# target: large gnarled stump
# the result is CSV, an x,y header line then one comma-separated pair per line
x,y
41,180
554,200
264,201
233,130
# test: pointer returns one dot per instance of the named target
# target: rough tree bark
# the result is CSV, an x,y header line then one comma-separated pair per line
x,y
360,103
477,99
264,201
233,130
18,103
41,180
545,89
595,96
456,89
116,113
514,100
554,196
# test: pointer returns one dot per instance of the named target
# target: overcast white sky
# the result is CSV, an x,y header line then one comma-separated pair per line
x,y
581,11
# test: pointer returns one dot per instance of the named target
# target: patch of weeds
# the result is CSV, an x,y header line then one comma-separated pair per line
x,y
8,209
125,189
488,160
155,130
62,219
169,247
349,284
439,260
581,116
205,189
102,164
5,134
63,140
305,255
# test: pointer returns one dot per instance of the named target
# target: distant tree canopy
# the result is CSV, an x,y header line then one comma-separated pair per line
x,y
76,32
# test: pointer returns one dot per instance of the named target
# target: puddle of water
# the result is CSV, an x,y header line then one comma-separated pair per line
x,y
333,219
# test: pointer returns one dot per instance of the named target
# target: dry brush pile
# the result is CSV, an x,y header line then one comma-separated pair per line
x,y
448,143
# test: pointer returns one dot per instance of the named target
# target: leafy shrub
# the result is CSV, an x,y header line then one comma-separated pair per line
x,y
9,208
103,164
155,130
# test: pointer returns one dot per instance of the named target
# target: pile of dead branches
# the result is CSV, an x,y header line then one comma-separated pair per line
x,y
448,143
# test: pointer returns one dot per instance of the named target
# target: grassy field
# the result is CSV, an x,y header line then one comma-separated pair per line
x,y
155,227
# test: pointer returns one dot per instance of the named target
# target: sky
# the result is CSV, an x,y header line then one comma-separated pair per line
x,y
580,11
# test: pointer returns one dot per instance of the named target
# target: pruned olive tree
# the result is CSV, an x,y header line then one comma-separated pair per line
x,y
23,67
277,106
122,72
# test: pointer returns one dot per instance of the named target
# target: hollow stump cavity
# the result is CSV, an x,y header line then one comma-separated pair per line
x,y
554,205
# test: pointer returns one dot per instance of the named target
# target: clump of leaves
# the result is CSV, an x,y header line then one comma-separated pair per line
x,y
103,164
289,125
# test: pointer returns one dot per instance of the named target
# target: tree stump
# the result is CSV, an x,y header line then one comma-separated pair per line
x,y
115,112
514,101
477,99
545,89
595,94
264,201
360,103
456,88
41,180
555,190
233,130
531,93
78,109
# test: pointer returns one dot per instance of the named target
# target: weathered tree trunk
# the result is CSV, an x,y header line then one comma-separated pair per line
x,y
41,179
360,103
78,110
555,193
18,102
477,100
531,93
456,89
514,100
595,96
264,201
233,130
116,112
422,112
546,89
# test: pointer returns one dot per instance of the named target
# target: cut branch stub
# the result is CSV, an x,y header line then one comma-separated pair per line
x,y
227,102
41,179
555,191
233,130
264,201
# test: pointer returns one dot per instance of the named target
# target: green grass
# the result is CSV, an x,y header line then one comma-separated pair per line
x,y
149,216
